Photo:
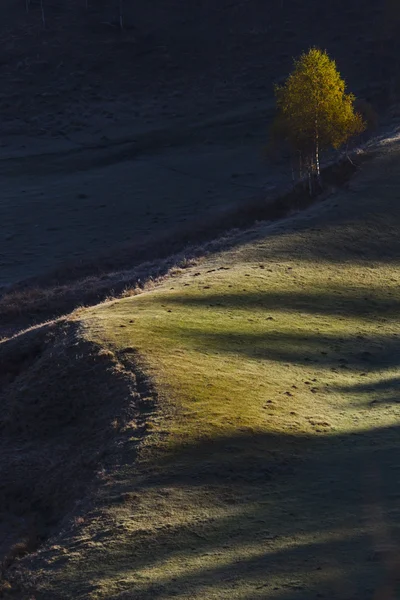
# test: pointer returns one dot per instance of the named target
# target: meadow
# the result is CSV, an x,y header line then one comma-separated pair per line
x,y
261,458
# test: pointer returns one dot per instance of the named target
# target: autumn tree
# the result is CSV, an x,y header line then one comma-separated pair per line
x,y
314,112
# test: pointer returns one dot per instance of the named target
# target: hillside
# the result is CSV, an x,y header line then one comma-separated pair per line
x,y
110,136
79,70
254,447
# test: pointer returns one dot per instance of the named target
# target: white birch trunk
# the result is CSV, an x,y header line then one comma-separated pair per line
x,y
317,165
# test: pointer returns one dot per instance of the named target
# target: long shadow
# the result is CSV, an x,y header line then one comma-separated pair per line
x,y
338,301
361,227
356,350
305,517
371,353
386,391
300,516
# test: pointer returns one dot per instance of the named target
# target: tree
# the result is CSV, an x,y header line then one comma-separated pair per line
x,y
314,112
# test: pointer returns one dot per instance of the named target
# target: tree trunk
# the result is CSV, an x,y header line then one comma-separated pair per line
x,y
310,177
43,17
121,11
317,165
300,165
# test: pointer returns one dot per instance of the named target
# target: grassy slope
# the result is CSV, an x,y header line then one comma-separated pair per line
x,y
63,402
270,468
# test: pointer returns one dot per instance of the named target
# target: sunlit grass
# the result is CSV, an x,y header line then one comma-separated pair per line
x,y
246,350
274,431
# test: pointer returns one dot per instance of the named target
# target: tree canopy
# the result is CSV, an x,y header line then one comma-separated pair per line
x,y
314,111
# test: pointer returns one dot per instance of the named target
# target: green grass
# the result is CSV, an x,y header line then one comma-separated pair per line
x,y
228,347
269,468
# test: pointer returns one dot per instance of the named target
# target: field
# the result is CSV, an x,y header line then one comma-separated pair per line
x,y
71,205
226,423
110,136
259,458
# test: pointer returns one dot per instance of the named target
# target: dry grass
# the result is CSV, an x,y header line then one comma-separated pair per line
x,y
66,405
220,443
166,255
268,381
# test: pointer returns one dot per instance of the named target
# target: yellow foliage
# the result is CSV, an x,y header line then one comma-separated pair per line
x,y
314,110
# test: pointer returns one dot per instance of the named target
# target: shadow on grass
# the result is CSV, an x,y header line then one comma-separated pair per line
x,y
360,229
386,391
132,265
302,517
336,301
263,515
354,349
373,353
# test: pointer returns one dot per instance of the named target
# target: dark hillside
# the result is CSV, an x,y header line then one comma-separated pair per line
x,y
174,52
